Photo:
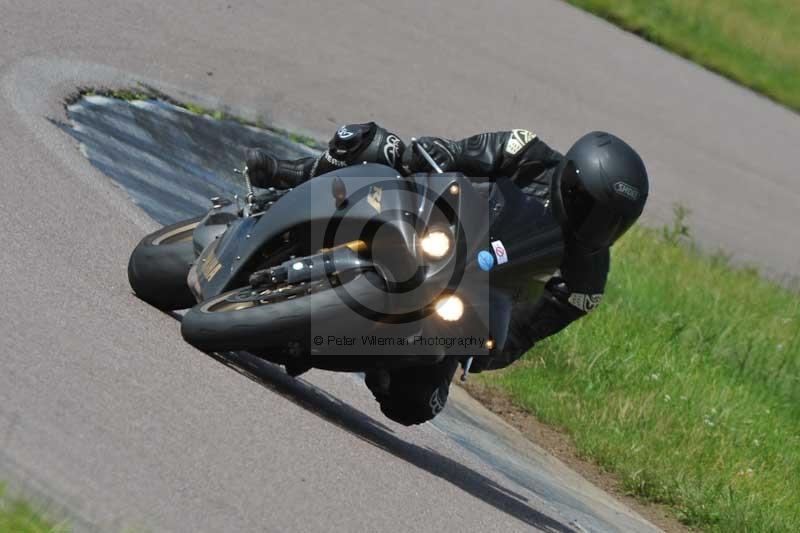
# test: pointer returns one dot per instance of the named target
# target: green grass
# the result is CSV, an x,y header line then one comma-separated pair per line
x,y
19,516
685,382
755,42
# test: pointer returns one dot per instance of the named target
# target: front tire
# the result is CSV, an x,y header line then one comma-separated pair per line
x,y
159,265
279,320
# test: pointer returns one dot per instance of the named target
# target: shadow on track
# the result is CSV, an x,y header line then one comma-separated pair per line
x,y
357,423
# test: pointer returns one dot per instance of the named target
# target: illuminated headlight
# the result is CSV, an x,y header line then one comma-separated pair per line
x,y
436,244
450,308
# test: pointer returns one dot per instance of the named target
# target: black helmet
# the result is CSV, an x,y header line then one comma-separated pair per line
x,y
599,189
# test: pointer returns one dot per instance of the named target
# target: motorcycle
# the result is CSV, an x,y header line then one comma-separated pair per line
x,y
353,270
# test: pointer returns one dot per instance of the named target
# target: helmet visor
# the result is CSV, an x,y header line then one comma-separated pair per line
x,y
595,225
578,203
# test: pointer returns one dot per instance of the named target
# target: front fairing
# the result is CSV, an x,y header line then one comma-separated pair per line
x,y
402,209
531,236
376,196
532,239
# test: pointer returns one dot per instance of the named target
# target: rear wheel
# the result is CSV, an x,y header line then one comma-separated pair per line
x,y
159,265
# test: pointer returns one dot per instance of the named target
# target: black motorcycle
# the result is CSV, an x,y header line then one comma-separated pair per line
x,y
357,269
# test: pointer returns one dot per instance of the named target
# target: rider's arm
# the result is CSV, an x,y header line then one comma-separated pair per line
x,y
518,154
269,171
291,173
351,144
566,298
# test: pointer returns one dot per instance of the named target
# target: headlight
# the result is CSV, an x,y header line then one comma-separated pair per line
x,y
436,244
449,308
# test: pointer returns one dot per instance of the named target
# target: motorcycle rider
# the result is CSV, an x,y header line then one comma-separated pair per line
x,y
596,191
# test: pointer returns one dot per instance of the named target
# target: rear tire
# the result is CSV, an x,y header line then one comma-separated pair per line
x,y
159,265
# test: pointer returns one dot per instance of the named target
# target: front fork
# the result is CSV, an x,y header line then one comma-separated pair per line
x,y
331,262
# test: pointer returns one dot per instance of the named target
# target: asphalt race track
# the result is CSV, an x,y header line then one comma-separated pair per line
x,y
170,162
103,408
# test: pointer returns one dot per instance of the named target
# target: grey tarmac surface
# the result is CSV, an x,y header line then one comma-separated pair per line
x,y
106,409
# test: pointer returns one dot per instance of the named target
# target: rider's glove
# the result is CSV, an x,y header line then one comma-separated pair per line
x,y
444,151
261,167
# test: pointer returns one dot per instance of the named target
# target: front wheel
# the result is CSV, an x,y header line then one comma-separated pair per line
x,y
159,265
280,319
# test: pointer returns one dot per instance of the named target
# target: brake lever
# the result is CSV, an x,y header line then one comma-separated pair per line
x,y
415,145
269,197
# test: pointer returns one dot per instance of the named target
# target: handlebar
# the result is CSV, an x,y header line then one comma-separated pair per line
x,y
258,202
271,195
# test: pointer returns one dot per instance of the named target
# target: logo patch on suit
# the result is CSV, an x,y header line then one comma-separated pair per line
x,y
585,302
518,140
436,402
344,133
392,150
333,161
500,252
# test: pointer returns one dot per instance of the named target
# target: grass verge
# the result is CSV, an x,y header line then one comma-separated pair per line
x,y
19,516
754,42
685,382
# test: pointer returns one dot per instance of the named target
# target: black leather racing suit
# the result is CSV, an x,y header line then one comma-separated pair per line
x,y
578,286
412,397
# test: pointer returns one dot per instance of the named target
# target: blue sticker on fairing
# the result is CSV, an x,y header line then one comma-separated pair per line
x,y
485,260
